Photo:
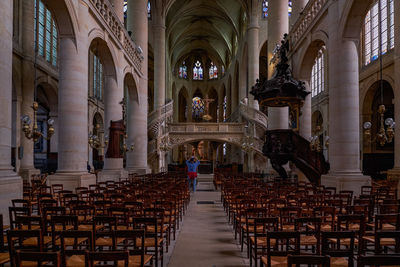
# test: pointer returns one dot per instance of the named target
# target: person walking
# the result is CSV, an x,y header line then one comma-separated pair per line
x,y
192,165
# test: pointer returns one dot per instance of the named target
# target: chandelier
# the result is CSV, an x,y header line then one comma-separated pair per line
x,y
33,132
385,135
94,140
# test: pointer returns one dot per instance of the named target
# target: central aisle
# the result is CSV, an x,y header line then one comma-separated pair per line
x,y
206,239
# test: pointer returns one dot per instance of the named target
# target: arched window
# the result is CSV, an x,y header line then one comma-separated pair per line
x,y
222,70
213,71
197,107
318,74
197,71
148,10
183,71
265,8
378,30
46,35
98,78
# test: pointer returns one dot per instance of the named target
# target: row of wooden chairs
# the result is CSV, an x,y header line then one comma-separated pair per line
x,y
311,217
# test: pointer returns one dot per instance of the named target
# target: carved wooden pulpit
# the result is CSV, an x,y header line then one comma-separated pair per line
x,y
116,140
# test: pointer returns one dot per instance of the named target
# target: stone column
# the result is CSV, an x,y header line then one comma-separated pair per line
x,y
297,8
8,178
278,15
119,8
28,83
137,23
344,113
113,94
305,118
73,111
394,174
254,53
159,58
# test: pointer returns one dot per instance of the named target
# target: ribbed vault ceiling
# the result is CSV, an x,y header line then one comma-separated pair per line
x,y
204,27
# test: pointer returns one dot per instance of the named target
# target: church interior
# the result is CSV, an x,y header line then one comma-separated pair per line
x,y
288,107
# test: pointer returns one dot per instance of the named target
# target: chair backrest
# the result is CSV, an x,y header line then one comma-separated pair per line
x,y
106,257
286,243
380,260
40,258
17,211
82,242
309,260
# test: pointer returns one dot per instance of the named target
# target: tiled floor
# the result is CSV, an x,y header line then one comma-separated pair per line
x,y
205,238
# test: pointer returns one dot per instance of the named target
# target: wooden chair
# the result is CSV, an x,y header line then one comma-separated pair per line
x,y
279,246
107,258
16,238
31,258
247,228
339,246
309,236
73,245
327,215
134,243
309,260
381,260
4,255
152,241
102,228
257,236
354,223
387,239
33,223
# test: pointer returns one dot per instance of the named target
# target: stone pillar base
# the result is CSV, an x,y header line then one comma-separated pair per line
x,y
139,170
26,173
346,181
393,175
10,188
112,175
72,180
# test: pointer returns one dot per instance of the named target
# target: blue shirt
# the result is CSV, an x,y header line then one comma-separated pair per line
x,y
192,167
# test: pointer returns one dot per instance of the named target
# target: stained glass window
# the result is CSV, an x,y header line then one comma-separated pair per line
x,y
197,107
149,9
318,74
222,70
224,149
197,71
265,8
125,8
213,71
183,71
378,30
224,107
46,36
97,78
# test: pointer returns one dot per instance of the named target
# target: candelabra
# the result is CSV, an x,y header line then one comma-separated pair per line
x,y
384,135
94,140
34,133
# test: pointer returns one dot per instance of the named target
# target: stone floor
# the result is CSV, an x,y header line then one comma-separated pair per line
x,y
205,238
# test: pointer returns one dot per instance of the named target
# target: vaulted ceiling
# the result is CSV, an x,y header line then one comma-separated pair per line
x,y
207,27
